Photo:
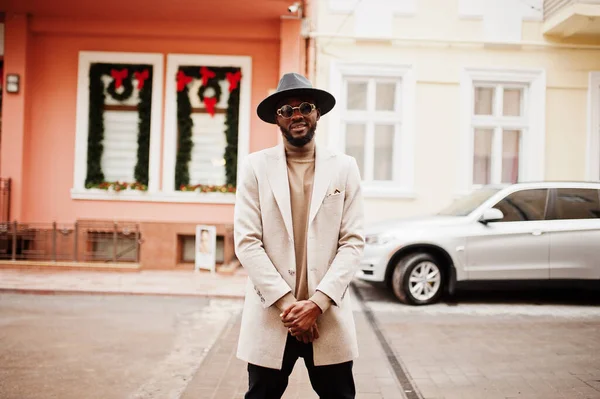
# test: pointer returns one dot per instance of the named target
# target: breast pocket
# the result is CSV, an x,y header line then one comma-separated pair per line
x,y
333,206
333,198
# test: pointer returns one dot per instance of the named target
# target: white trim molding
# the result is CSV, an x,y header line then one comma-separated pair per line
x,y
141,196
530,10
593,127
532,161
86,58
402,185
398,7
174,61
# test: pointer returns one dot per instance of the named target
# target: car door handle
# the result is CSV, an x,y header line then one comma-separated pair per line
x,y
537,232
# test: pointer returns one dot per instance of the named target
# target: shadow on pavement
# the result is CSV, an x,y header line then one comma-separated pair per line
x,y
524,293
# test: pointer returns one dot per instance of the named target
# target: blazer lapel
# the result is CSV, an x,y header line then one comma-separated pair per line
x,y
278,179
323,173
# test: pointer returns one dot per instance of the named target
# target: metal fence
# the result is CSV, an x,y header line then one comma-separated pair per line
x,y
4,200
77,242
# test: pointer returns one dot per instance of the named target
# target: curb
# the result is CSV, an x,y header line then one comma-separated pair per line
x,y
33,291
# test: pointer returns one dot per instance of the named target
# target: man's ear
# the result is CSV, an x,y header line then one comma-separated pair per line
x,y
318,114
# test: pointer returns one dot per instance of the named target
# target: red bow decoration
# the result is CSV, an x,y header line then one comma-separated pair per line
x,y
118,76
182,80
141,78
206,75
210,103
234,79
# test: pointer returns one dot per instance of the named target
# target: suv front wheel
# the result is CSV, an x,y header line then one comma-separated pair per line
x,y
418,279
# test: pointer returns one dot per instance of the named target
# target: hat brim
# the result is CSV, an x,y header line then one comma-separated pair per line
x,y
267,111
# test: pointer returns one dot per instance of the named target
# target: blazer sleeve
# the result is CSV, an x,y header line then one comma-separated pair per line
x,y
249,248
351,240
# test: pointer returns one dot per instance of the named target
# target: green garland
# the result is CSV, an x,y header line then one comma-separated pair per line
x,y
185,125
96,126
144,111
95,176
231,132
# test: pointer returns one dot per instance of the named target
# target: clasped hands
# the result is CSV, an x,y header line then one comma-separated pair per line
x,y
300,318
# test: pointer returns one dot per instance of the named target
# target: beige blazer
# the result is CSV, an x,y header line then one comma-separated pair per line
x,y
264,244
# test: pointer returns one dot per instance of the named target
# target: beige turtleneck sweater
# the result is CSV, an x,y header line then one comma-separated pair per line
x,y
301,173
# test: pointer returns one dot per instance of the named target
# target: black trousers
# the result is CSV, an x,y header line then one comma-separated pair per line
x,y
329,382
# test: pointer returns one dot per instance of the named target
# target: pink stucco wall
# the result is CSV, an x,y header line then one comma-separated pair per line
x,y
49,140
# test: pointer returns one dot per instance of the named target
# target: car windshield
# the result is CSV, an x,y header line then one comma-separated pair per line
x,y
467,204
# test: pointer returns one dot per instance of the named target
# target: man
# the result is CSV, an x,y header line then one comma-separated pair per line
x,y
298,232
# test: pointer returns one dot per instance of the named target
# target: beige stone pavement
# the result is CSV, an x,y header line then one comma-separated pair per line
x,y
221,375
150,282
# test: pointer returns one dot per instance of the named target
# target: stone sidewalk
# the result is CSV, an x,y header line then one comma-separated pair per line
x,y
148,282
223,376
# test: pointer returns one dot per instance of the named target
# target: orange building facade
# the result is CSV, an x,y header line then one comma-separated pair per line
x,y
136,113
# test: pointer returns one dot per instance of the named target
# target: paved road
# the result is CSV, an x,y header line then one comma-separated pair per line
x,y
502,344
105,347
515,344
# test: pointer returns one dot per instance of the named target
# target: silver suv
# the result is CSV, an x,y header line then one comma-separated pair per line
x,y
525,231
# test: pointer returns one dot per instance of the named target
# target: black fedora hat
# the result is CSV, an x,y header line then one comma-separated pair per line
x,y
294,85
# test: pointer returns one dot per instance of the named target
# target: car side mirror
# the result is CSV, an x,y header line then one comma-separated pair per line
x,y
491,215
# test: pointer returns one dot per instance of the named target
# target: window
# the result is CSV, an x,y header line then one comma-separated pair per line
x,y
188,249
374,123
503,124
525,205
576,203
463,206
498,123
593,139
207,121
119,107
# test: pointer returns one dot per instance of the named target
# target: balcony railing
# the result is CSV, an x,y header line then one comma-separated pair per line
x,y
77,242
551,7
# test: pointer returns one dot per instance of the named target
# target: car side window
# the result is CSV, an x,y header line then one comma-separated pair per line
x,y
576,203
524,205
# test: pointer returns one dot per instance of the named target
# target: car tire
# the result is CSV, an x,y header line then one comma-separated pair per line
x,y
418,279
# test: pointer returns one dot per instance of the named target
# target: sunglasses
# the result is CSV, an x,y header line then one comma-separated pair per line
x,y
287,111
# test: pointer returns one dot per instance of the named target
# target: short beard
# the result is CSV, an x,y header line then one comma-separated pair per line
x,y
298,141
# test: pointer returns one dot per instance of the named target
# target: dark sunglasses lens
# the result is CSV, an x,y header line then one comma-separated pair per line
x,y
305,108
287,111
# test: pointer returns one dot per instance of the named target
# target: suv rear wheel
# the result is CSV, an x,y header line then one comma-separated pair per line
x,y
418,279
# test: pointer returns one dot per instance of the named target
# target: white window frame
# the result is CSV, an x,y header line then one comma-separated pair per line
x,y
86,58
174,61
533,137
402,184
593,128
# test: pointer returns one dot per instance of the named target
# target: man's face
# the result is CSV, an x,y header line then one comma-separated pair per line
x,y
298,129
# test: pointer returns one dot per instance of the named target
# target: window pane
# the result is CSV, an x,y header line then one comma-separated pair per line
x,y
524,205
120,145
577,204
484,100
384,150
188,249
355,144
357,95
385,94
207,165
510,156
512,102
482,162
